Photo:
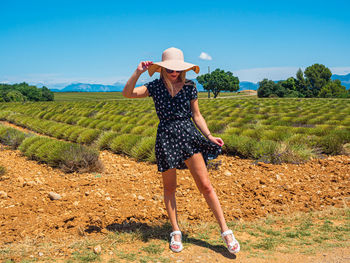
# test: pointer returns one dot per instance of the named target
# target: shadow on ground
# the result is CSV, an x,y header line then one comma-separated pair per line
x,y
159,231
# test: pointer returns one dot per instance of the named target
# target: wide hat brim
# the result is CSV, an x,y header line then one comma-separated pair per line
x,y
178,65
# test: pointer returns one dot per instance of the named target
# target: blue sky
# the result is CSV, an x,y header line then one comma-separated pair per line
x,y
59,42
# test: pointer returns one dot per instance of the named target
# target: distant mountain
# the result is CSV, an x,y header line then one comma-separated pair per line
x,y
118,86
84,87
244,85
345,79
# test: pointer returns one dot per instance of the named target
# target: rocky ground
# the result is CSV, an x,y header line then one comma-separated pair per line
x,y
130,191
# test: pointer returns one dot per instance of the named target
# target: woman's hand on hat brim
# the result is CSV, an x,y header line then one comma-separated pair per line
x,y
143,66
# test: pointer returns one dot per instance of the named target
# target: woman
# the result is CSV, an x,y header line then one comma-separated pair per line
x,y
178,141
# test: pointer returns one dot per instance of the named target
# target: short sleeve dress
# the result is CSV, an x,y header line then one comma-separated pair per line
x,y
177,136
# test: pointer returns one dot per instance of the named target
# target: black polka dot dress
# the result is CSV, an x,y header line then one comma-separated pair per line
x,y
177,136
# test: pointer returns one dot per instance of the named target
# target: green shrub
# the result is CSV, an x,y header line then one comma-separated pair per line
x,y
88,136
238,145
138,129
4,115
48,115
143,148
104,141
278,133
124,143
301,139
151,131
104,125
216,126
59,133
67,156
129,143
53,127
93,124
292,153
84,121
31,150
232,130
265,149
330,144
11,137
71,119
47,150
75,134
127,128
27,142
151,157
68,132
117,143
117,127
152,122
252,133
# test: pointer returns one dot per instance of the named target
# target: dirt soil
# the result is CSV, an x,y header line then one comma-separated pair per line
x,y
128,190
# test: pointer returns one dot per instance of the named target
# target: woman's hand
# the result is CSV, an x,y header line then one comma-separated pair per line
x,y
143,66
216,140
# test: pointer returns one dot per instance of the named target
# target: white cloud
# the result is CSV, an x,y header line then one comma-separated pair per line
x,y
340,70
205,56
258,74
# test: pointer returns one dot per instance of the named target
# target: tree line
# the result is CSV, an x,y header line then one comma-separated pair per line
x,y
24,92
314,82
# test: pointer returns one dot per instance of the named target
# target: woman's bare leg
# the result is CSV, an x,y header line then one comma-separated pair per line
x,y
199,171
169,187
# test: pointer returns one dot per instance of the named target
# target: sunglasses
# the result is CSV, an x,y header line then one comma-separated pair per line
x,y
171,71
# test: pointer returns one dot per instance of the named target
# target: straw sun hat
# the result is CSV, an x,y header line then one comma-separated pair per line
x,y
172,58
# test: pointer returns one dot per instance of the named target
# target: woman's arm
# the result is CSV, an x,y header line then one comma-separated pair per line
x,y
202,125
198,118
129,90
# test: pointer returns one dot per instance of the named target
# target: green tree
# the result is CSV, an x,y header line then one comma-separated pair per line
x,y
11,92
219,80
268,88
31,92
15,95
301,85
317,76
47,95
291,88
333,89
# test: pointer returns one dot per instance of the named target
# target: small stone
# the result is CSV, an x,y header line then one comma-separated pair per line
x,y
20,180
29,183
108,198
76,203
156,197
97,249
140,197
40,254
87,193
3,194
227,173
54,196
278,177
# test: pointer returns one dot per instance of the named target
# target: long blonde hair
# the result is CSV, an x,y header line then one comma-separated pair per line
x,y
164,76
